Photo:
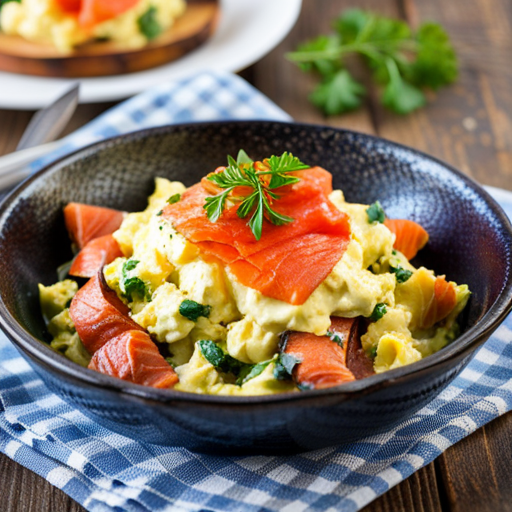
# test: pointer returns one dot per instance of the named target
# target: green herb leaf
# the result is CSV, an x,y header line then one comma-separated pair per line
x,y
401,274
400,96
244,172
3,2
373,352
400,60
335,337
378,312
250,371
243,158
284,366
214,205
212,353
351,23
338,93
174,199
436,62
375,213
149,25
133,287
193,310
247,205
285,163
129,265
256,222
324,45
220,360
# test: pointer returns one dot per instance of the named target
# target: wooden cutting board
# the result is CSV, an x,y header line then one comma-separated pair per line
x,y
189,31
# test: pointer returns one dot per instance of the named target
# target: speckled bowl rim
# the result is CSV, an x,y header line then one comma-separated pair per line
x,y
458,349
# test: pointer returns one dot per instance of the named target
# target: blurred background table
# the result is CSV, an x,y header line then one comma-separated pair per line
x,y
468,125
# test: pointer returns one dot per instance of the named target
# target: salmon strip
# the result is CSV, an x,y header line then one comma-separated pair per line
x,y
70,6
358,361
442,303
288,262
93,12
97,253
323,361
85,222
132,356
410,236
99,315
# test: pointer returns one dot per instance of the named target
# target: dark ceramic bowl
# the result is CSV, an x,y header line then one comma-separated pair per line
x,y
470,242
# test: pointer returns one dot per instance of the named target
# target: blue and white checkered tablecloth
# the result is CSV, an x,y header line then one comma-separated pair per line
x,y
106,472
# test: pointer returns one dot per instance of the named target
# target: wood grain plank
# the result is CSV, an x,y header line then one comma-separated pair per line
x,y
22,490
476,471
419,493
470,123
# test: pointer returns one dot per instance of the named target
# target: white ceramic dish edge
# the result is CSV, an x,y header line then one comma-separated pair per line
x,y
248,30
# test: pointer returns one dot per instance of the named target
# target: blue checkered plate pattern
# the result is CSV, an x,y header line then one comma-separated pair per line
x,y
107,472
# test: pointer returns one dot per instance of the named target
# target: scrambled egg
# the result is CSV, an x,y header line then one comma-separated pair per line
x,y
44,22
247,324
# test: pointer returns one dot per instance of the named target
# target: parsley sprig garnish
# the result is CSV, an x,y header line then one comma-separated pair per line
x,y
401,61
263,178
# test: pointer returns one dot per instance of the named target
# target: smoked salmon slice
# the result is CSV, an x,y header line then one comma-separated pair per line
x,y
323,362
99,315
85,222
442,303
132,356
97,253
92,12
289,261
70,6
410,236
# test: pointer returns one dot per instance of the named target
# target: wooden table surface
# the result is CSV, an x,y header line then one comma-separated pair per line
x,y
468,125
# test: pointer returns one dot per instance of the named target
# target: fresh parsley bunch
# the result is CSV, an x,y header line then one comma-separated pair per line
x,y
401,61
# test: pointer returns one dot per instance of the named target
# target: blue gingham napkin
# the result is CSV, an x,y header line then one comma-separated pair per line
x,y
107,472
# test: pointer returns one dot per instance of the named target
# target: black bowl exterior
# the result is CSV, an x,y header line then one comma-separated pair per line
x,y
471,242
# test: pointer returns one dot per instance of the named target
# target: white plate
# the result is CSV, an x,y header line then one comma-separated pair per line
x,y
248,29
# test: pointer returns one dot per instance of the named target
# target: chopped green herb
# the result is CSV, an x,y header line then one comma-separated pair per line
x,y
174,199
219,359
3,2
170,236
378,312
393,252
284,366
250,371
133,287
160,228
193,310
130,265
335,337
212,352
244,172
159,213
375,213
373,352
149,25
170,361
401,274
401,61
